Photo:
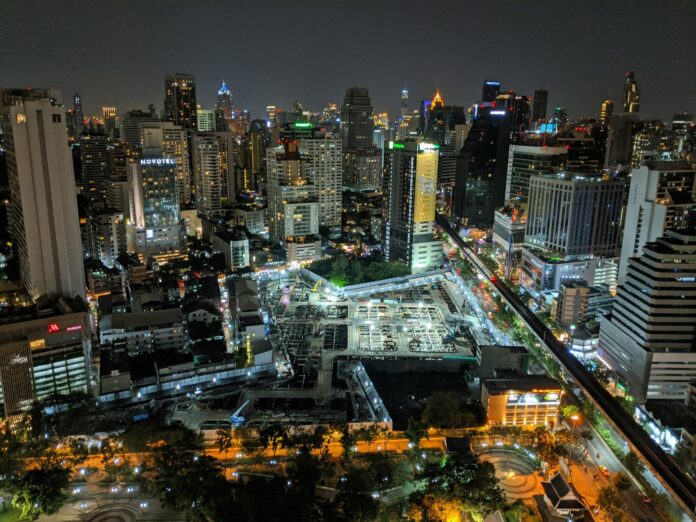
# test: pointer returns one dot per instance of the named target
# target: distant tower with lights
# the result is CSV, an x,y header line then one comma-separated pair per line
x,y
605,112
180,100
404,102
631,99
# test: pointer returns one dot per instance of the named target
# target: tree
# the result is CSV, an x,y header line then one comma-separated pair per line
x,y
442,410
271,436
569,410
685,455
611,502
462,480
415,432
368,434
348,440
41,491
190,484
224,440
354,500
303,477
634,464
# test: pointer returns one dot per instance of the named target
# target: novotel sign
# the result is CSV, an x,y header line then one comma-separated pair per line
x,y
158,161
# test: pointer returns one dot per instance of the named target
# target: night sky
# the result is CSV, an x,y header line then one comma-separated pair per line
x,y
117,52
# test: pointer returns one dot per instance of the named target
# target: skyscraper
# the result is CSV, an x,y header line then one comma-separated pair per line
x,y
361,159
172,140
661,197
631,94
180,100
43,211
410,182
605,112
525,161
110,121
205,119
574,214
155,227
442,120
94,160
404,102
293,205
482,168
132,124
213,167
648,339
78,115
225,101
541,98
255,143
490,92
322,159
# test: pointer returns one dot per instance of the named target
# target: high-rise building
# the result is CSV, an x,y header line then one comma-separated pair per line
x,y
110,121
43,212
362,161
293,205
107,234
48,354
660,197
631,94
205,119
172,140
442,120
649,137
94,161
482,168
682,130
648,339
411,189
404,102
180,100
560,114
605,112
225,101
574,214
322,159
620,139
490,92
78,115
132,124
213,160
541,98
525,161
155,227
255,143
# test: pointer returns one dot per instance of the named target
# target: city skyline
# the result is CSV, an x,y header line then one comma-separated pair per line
x,y
448,53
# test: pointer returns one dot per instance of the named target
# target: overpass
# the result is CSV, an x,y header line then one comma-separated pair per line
x,y
661,464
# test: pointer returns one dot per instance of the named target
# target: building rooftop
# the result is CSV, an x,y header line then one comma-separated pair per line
x,y
132,321
521,383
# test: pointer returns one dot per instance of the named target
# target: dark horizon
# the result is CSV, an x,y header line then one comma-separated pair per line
x,y
117,53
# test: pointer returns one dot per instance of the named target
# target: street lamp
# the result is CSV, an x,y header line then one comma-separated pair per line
x,y
574,418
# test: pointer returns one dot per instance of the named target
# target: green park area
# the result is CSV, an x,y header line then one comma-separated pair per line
x,y
343,271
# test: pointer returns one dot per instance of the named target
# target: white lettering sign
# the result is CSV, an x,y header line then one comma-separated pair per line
x,y
158,161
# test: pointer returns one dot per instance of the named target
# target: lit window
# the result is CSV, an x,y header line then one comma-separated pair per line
x,y
21,118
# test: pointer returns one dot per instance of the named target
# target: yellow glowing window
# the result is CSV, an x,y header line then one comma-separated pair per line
x,y
21,118
37,344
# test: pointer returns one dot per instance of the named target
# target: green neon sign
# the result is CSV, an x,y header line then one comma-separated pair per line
x,y
303,125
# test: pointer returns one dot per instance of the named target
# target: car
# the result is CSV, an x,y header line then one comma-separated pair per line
x,y
605,471
646,499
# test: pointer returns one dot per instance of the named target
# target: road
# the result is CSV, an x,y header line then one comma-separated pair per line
x,y
663,466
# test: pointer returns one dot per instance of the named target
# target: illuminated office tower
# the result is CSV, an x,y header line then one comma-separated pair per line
x,y
661,197
180,100
574,214
293,205
225,101
441,120
361,159
155,227
525,161
648,339
172,140
110,121
631,94
410,183
541,98
78,115
404,102
94,160
43,212
213,167
605,112
205,119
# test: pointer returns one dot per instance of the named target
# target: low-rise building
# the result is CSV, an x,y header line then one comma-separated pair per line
x,y
524,400
143,331
234,245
